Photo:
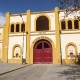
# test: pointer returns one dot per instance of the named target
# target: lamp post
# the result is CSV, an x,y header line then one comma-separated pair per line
x,y
22,26
60,47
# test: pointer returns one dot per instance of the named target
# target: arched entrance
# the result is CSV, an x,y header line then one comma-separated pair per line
x,y
42,52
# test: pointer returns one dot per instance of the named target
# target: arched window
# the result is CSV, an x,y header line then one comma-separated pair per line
x,y
76,24
69,24
16,52
12,27
22,27
71,51
42,23
63,25
17,27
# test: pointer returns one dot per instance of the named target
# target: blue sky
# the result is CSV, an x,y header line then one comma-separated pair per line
x,y
18,6
21,6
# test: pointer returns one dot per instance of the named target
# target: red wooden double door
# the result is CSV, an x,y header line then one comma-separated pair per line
x,y
42,52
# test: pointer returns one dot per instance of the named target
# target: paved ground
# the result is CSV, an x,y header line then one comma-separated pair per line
x,y
44,72
6,67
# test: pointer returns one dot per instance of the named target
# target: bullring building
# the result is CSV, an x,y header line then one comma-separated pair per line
x,y
46,37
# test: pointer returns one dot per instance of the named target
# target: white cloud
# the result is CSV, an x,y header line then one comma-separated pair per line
x,y
2,19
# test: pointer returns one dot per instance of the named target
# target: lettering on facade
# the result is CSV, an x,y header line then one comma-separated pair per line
x,y
41,32
43,37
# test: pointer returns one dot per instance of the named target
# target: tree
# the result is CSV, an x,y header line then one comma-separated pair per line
x,y
70,6
69,3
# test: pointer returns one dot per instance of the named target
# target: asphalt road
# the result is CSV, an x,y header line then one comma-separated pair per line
x,y
44,72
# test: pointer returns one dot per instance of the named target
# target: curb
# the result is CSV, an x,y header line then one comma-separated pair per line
x,y
14,69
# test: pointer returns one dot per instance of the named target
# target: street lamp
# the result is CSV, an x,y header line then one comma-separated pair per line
x,y
60,47
22,27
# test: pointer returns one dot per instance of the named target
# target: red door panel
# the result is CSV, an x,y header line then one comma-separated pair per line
x,y
38,55
48,55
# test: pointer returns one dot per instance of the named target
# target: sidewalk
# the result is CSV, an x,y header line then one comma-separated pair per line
x,y
8,67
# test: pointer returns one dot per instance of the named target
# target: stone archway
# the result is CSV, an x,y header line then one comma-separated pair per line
x,y
30,56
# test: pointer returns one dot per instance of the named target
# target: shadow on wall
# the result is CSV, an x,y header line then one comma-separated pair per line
x,y
78,59
73,59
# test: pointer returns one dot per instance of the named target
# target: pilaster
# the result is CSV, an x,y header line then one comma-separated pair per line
x,y
57,29
28,14
5,38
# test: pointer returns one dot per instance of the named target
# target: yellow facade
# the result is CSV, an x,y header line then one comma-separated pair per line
x,y
36,36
